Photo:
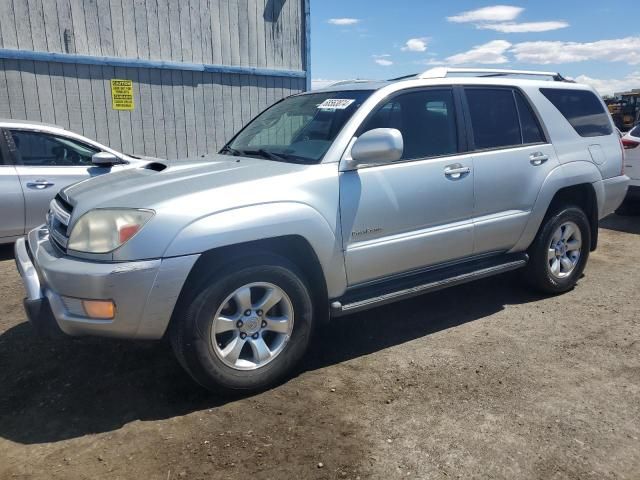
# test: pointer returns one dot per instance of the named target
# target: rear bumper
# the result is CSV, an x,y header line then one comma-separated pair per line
x,y
613,190
144,292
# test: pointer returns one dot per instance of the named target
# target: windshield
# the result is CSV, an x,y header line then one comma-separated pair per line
x,y
297,129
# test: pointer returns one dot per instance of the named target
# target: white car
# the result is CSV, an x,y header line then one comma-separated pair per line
x,y
36,161
631,144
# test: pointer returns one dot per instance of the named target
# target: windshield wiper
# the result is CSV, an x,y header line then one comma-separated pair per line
x,y
261,152
232,151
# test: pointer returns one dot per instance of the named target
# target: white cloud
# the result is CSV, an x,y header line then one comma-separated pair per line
x,y
383,60
344,21
619,50
489,53
510,27
612,85
500,19
415,45
495,13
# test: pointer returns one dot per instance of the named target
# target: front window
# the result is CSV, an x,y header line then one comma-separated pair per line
x,y
36,149
425,118
298,129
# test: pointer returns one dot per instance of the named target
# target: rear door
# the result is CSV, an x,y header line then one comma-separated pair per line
x,y
45,163
511,158
11,198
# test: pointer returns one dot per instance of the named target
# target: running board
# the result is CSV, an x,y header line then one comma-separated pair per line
x,y
388,291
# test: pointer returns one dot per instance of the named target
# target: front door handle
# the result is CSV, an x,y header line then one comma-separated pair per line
x,y
456,171
40,184
538,158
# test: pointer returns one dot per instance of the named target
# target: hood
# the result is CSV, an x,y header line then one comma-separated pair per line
x,y
157,184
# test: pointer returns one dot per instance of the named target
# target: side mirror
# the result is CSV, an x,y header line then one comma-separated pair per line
x,y
375,147
104,159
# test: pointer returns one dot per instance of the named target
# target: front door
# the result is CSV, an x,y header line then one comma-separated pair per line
x,y
416,212
46,163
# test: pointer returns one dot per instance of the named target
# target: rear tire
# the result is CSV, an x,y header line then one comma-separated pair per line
x,y
559,253
246,327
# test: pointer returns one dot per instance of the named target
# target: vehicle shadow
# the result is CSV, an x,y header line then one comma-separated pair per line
x,y
627,223
56,389
6,251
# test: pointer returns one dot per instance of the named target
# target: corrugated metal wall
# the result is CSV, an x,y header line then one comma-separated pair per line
x,y
186,107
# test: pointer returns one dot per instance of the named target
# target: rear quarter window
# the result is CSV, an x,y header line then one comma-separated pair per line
x,y
635,131
582,109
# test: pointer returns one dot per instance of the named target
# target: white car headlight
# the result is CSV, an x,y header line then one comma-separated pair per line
x,y
104,230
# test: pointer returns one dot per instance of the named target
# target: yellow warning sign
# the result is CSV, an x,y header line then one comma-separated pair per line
x,y
122,94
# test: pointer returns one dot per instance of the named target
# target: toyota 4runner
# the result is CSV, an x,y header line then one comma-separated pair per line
x,y
330,202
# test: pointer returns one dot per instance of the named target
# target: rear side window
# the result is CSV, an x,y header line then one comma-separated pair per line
x,y
582,109
494,118
635,131
531,131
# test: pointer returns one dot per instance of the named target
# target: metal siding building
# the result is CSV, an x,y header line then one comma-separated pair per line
x,y
200,68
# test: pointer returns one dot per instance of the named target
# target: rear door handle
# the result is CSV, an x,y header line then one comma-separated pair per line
x,y
40,184
538,158
456,171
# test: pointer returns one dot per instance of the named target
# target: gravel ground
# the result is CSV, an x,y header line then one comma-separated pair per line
x,y
486,380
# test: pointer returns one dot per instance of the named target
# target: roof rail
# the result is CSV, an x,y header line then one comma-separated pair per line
x,y
442,72
345,82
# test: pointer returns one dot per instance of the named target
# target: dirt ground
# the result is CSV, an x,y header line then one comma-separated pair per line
x,y
486,380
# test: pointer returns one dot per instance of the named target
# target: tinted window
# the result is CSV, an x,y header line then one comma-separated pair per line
x,y
531,131
426,120
494,118
41,149
582,109
635,131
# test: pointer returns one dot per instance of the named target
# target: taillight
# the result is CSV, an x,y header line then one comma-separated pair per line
x,y
624,159
628,144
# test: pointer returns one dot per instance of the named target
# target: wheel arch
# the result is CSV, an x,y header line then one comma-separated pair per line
x,y
573,183
244,227
582,195
294,248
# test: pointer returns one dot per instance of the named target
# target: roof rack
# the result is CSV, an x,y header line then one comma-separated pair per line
x,y
403,77
345,82
442,72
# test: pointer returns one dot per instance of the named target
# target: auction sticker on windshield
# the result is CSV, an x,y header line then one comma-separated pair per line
x,y
336,103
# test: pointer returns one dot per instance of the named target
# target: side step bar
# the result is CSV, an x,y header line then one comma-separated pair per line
x,y
388,291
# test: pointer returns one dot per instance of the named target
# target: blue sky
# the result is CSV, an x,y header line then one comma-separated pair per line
x,y
595,42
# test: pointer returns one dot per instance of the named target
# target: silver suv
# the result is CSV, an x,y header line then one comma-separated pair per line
x,y
328,203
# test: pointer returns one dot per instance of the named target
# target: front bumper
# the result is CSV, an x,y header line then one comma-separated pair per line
x,y
144,292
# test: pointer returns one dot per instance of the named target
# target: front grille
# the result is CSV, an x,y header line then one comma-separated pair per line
x,y
58,220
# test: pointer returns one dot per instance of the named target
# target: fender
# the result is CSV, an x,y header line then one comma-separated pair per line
x,y
262,221
565,175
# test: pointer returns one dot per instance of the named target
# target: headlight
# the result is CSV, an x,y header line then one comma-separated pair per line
x,y
104,230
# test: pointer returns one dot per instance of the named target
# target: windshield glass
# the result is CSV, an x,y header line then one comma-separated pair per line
x,y
298,129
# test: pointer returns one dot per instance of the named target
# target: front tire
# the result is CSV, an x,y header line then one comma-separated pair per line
x,y
560,251
246,327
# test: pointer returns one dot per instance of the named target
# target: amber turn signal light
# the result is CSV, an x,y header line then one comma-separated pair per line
x,y
100,309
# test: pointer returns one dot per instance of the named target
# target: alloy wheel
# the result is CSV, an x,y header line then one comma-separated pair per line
x,y
564,250
252,326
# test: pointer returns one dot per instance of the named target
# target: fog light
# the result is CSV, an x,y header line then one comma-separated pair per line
x,y
102,309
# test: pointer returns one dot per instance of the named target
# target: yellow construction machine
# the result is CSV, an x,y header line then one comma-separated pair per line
x,y
624,107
